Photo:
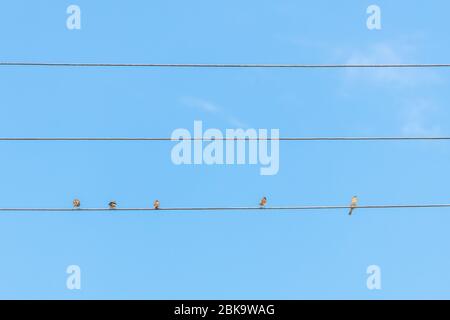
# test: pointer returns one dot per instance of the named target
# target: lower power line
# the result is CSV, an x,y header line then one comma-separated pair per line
x,y
261,209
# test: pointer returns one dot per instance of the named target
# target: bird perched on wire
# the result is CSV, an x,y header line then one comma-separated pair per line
x,y
263,202
76,203
156,204
112,205
353,205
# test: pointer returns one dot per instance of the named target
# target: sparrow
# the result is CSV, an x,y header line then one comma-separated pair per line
x,y
112,205
263,202
76,203
156,205
353,205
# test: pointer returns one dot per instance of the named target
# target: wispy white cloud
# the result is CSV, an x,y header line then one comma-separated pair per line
x,y
200,104
419,115
213,109
419,119
386,53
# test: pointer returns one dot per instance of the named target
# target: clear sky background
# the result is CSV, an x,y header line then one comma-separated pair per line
x,y
222,254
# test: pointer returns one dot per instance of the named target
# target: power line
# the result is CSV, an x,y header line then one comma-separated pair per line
x,y
217,65
274,208
225,139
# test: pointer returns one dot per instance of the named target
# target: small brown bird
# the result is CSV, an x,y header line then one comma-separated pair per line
x,y
112,205
353,205
156,204
76,203
263,202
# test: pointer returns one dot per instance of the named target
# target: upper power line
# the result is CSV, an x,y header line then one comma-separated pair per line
x,y
218,65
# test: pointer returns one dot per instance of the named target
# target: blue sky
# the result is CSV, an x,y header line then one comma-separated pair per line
x,y
237,255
